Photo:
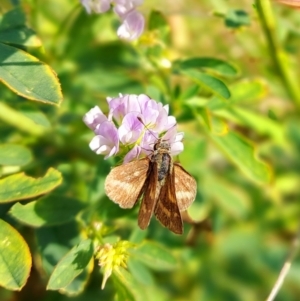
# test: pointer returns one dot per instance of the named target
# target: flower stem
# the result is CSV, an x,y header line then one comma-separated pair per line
x,y
277,54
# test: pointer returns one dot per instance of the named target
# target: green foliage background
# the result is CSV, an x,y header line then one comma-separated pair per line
x,y
229,71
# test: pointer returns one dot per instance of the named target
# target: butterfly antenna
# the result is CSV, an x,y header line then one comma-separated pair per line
x,y
142,122
158,139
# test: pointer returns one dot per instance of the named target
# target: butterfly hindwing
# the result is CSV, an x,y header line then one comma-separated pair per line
x,y
166,209
185,187
149,197
124,183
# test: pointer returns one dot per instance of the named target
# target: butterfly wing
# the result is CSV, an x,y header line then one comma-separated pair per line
x,y
166,209
124,184
150,196
185,187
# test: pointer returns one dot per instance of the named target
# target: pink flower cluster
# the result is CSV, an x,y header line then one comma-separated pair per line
x,y
134,123
132,21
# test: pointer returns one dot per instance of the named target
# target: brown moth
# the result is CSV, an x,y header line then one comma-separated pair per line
x,y
166,188
291,3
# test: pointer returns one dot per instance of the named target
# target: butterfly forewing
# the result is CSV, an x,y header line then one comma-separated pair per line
x,y
124,183
185,187
149,197
166,209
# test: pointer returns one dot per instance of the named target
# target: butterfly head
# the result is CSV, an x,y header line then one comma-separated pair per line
x,y
162,145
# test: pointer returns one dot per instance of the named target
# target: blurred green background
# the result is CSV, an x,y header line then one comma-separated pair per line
x,y
244,227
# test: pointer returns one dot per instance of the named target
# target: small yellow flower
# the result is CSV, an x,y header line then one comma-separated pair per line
x,y
111,257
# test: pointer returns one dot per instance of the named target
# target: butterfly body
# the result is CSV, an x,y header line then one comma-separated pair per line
x,y
165,188
162,158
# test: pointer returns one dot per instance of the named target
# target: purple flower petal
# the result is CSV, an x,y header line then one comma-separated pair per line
x,y
176,148
132,26
171,122
155,116
175,140
106,142
122,105
97,6
148,141
161,120
132,104
123,7
149,117
143,99
166,107
170,135
147,103
133,22
132,154
94,117
130,129
116,107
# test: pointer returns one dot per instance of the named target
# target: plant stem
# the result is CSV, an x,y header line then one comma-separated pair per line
x,y
286,267
279,57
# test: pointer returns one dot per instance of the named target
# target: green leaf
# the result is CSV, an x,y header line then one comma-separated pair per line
x,y
158,23
155,256
20,186
243,92
13,154
237,18
241,152
218,126
21,36
137,235
205,114
122,292
248,91
272,115
228,197
127,287
13,30
17,119
140,272
79,283
28,77
214,124
259,123
36,116
12,19
218,66
190,92
55,242
71,265
211,83
15,258
49,210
